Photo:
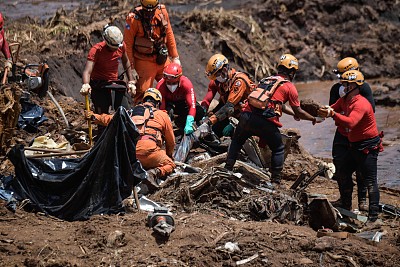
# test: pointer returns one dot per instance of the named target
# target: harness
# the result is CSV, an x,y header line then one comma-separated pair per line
x,y
150,44
261,97
140,115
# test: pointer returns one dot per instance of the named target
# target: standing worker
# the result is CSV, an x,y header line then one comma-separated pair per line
x,y
355,113
233,87
102,68
341,143
179,98
150,42
265,124
155,129
5,49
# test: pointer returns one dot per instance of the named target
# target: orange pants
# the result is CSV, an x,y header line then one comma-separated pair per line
x,y
148,71
152,156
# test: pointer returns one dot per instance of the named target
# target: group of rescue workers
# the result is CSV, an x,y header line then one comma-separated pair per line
x,y
148,48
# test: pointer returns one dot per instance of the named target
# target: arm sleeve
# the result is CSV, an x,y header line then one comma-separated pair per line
x,y
129,36
211,92
352,119
171,43
161,87
103,119
237,91
169,135
190,98
5,48
293,95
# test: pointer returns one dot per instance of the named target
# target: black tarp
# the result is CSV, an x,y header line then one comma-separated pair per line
x,y
75,189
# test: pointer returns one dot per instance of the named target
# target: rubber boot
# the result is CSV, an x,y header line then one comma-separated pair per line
x,y
229,164
276,177
151,181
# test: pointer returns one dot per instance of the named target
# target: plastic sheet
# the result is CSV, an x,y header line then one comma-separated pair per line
x,y
182,150
31,116
75,189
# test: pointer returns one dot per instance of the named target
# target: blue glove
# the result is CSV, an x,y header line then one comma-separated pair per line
x,y
189,124
228,130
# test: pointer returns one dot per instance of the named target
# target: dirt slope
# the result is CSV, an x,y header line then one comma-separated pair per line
x,y
317,32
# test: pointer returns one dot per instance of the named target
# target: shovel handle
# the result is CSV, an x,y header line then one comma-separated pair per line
x,y
87,106
3,81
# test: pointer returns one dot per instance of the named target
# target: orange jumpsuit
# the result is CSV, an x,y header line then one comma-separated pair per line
x,y
142,46
149,149
235,91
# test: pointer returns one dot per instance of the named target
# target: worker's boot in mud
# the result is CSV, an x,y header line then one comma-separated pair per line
x,y
276,177
151,181
337,203
229,164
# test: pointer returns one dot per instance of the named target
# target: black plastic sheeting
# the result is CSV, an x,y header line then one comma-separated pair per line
x,y
31,116
75,189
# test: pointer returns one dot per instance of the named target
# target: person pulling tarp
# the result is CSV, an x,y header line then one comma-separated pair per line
x,y
155,129
75,189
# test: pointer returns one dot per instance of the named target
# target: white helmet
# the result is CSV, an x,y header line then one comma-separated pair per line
x,y
113,36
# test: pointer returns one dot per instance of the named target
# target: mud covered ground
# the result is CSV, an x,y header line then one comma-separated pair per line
x,y
252,35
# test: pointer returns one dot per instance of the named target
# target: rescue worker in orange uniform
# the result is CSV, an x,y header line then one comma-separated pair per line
x,y
354,113
150,43
156,132
265,124
5,49
102,68
233,87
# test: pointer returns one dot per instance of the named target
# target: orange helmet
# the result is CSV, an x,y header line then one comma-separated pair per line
x,y
348,63
215,63
1,21
153,93
353,76
288,61
149,5
172,72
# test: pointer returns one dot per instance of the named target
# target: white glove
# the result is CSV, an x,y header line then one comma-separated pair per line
x,y
8,64
203,130
176,60
326,112
86,89
132,87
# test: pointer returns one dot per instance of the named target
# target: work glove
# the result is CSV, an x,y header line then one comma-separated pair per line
x,y
189,125
132,87
228,130
89,115
204,129
176,60
86,89
326,112
8,64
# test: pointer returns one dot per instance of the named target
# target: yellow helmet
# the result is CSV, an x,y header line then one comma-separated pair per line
x,y
153,93
348,63
353,76
289,61
149,4
215,63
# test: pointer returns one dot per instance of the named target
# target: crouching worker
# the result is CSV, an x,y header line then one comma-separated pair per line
x,y
155,128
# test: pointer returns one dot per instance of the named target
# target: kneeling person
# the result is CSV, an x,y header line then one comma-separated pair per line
x,y
155,128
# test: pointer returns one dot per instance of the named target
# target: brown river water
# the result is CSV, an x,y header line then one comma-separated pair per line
x,y
316,139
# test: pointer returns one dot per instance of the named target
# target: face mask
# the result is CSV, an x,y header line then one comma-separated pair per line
x,y
342,93
221,80
172,87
